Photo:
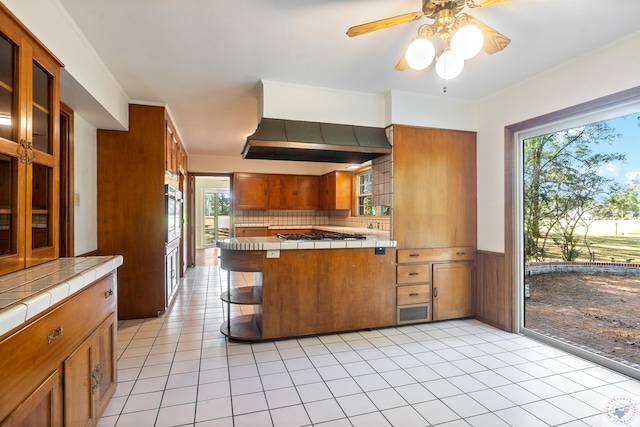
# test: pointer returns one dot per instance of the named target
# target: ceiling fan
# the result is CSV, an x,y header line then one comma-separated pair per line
x,y
461,36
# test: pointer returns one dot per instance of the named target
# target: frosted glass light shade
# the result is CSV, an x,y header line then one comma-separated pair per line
x,y
467,41
420,53
449,65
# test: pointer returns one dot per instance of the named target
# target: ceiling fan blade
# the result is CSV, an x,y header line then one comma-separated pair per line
x,y
402,64
493,40
383,23
484,3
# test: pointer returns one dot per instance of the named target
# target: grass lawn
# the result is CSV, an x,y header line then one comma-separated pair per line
x,y
617,241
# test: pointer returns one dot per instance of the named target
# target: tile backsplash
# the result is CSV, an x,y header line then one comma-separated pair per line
x,y
340,218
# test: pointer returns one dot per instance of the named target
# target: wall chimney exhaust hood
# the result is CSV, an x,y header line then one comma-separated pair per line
x,y
277,139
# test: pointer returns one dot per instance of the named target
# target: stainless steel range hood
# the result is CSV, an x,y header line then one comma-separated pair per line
x,y
277,139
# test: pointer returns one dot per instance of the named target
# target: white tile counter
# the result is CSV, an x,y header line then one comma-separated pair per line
x,y
273,243
27,293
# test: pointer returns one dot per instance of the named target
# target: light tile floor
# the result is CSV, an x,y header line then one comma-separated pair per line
x,y
179,370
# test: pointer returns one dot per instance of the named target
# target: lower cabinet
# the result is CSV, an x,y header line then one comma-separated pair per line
x,y
43,407
65,371
453,290
89,376
434,284
251,231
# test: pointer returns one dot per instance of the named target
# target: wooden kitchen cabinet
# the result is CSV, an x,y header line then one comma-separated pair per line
x,y
29,147
43,407
294,192
453,295
434,187
336,190
65,372
307,193
434,202
250,191
175,155
90,376
251,231
131,213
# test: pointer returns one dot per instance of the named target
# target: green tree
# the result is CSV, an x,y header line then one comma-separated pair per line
x,y
625,201
562,185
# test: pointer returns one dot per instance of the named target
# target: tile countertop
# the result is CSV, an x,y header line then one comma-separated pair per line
x,y
273,243
380,234
26,293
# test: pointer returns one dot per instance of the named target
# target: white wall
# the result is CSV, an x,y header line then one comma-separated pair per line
x,y
85,184
601,73
95,87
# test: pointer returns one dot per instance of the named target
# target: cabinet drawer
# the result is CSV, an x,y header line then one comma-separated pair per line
x,y
418,273
414,294
436,254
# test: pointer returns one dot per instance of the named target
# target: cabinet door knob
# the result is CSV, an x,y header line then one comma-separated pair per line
x,y
435,292
108,293
53,335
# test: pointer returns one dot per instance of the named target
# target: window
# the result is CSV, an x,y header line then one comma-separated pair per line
x,y
364,193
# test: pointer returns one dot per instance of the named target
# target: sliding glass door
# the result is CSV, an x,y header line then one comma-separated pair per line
x,y
216,217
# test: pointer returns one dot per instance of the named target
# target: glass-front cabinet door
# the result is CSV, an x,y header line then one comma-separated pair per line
x,y
29,144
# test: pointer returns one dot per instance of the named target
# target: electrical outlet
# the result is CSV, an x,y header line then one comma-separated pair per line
x,y
273,253
380,251
76,199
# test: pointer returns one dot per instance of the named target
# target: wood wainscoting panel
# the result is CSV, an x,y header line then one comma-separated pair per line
x,y
494,296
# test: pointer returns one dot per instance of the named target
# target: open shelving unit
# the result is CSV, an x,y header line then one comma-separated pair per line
x,y
245,327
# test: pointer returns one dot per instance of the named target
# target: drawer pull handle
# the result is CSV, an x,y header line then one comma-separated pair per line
x,y
53,335
108,293
96,376
413,274
459,253
414,254
414,294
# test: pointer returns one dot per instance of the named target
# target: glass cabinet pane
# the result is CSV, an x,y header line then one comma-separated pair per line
x,y
8,117
41,110
41,202
8,201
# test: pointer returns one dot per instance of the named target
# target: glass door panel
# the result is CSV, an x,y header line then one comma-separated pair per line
x,y
8,116
41,203
41,108
8,200
216,217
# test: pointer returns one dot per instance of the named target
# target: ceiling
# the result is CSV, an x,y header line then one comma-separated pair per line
x,y
205,58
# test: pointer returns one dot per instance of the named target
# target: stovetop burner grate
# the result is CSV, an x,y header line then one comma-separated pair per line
x,y
321,236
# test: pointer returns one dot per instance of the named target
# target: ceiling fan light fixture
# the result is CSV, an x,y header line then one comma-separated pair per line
x,y
420,53
449,65
467,41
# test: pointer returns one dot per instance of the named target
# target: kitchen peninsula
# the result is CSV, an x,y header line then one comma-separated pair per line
x,y
308,287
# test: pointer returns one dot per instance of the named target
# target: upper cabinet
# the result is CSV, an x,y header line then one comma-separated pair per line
x,y
175,157
434,187
250,191
336,190
294,192
29,147
301,192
